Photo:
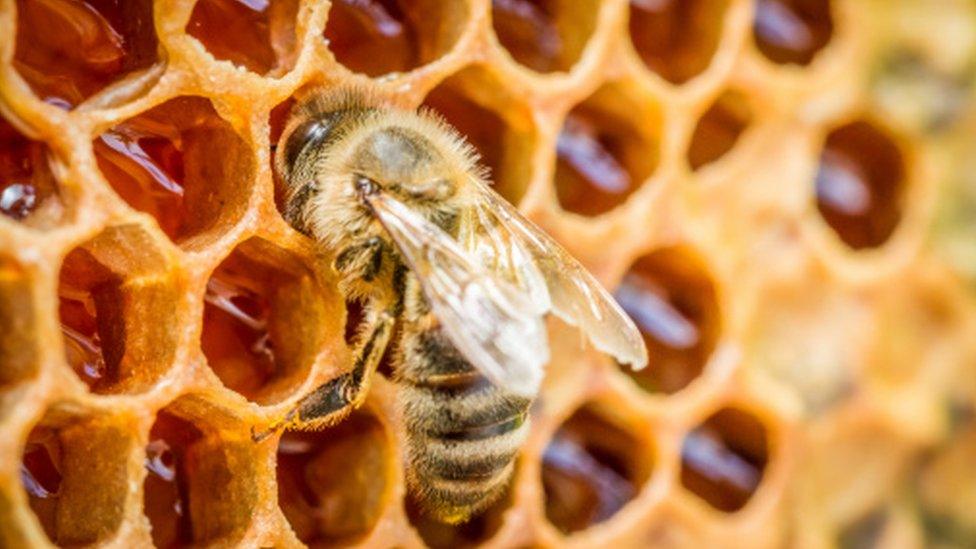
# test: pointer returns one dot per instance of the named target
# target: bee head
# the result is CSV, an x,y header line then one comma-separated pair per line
x,y
403,163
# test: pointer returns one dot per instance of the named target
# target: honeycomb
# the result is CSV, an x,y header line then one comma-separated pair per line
x,y
781,193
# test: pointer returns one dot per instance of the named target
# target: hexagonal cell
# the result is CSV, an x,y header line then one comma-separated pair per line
x,y
593,466
63,459
119,311
200,482
18,341
792,31
860,184
504,139
257,35
68,50
723,459
478,530
545,35
162,162
377,37
263,321
673,301
607,147
28,190
719,129
333,485
676,38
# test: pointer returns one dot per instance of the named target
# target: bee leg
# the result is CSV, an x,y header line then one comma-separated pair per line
x,y
331,401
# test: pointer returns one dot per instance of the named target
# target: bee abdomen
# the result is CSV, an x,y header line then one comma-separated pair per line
x,y
464,432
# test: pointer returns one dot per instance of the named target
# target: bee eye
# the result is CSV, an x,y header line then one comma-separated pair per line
x,y
309,134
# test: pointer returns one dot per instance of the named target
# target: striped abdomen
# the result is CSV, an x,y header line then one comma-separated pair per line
x,y
463,433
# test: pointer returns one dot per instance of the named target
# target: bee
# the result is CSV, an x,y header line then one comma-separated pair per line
x,y
396,198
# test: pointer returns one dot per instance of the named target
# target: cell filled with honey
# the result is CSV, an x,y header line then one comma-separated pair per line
x,y
544,35
161,163
792,31
68,50
676,38
607,147
257,35
28,190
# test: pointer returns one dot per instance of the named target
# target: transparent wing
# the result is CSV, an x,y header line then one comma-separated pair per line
x,y
497,328
575,295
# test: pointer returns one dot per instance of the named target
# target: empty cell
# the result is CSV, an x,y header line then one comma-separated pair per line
x,y
334,484
860,184
591,468
607,148
258,35
672,300
28,191
18,342
544,35
724,458
68,50
676,38
162,162
263,321
503,142
74,471
792,31
200,475
118,311
377,37
719,129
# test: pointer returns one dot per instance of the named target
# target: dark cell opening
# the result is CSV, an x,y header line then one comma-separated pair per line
x,y
68,50
544,35
161,163
672,299
792,31
377,37
676,38
724,458
605,151
860,184
591,468
256,34
261,318
333,484
27,185
719,129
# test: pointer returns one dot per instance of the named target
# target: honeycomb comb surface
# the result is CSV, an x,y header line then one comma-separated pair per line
x,y
781,193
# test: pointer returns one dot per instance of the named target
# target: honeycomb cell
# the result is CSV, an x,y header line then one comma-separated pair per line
x,y
504,142
199,484
607,147
377,37
162,162
792,31
263,321
676,38
28,191
68,50
333,485
62,459
18,342
723,459
672,299
591,468
258,35
119,311
719,129
544,35
860,184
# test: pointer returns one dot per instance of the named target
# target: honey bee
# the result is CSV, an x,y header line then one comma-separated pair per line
x,y
417,236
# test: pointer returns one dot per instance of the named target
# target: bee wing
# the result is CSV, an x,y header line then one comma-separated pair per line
x,y
575,295
497,328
